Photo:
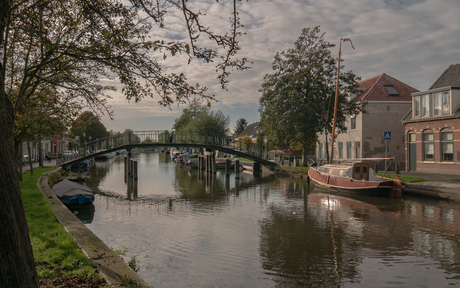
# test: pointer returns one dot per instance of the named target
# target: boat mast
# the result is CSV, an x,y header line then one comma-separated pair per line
x,y
335,105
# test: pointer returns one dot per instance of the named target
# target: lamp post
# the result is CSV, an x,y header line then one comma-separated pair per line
x,y
266,147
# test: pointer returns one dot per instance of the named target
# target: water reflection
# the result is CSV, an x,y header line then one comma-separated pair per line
x,y
188,228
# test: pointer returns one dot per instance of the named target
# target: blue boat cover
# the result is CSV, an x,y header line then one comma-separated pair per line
x,y
67,188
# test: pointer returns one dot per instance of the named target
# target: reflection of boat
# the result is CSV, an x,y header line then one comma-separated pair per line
x,y
219,164
81,166
85,214
357,178
71,193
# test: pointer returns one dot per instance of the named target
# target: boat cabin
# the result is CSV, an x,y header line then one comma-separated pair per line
x,y
361,171
357,171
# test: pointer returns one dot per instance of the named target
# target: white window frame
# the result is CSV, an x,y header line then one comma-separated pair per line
x,y
428,146
445,143
417,101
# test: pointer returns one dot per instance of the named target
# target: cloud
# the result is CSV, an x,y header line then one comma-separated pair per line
x,y
411,40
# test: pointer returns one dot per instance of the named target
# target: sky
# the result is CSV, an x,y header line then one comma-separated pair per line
x,y
413,41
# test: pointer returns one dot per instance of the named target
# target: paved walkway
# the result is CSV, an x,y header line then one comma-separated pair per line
x,y
442,186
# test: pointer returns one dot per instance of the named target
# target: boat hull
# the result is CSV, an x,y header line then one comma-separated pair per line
x,y
383,188
77,200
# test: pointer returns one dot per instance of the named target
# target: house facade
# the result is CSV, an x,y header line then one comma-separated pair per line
x,y
432,126
388,100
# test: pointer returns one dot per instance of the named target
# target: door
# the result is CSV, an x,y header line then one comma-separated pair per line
x,y
361,171
412,152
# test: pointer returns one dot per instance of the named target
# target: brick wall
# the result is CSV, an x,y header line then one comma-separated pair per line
x,y
436,166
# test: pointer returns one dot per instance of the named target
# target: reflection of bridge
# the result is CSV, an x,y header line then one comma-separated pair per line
x,y
148,139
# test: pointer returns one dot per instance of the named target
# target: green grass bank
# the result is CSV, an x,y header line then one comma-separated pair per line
x,y
55,251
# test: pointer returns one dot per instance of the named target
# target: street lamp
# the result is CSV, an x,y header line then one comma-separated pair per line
x,y
266,147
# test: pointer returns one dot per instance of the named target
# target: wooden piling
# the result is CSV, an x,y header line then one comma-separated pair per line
x,y
125,159
135,170
227,167
131,165
237,168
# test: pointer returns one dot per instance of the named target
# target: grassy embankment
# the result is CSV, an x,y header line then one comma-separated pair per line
x,y
406,179
56,253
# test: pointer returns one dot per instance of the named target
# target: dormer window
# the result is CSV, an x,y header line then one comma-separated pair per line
x,y
391,90
441,103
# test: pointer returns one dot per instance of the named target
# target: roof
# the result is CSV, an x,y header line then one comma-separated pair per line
x,y
251,130
381,88
450,77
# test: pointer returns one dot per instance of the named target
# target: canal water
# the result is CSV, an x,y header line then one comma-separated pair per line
x,y
189,229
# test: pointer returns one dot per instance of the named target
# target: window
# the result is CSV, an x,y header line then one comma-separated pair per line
x,y
357,149
353,122
320,151
428,146
417,106
441,103
425,109
391,90
340,150
437,104
348,150
447,146
445,103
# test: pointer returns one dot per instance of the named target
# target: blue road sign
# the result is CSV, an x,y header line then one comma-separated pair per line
x,y
387,135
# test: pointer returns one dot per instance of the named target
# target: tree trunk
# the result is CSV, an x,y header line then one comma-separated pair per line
x,y
304,156
17,267
30,158
40,153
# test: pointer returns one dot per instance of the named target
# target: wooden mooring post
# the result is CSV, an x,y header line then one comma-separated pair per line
x,y
237,168
135,170
228,162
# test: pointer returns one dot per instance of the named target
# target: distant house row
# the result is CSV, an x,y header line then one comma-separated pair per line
x,y
422,128
49,146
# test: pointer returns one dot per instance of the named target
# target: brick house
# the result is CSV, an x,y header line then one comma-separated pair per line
x,y
432,126
388,100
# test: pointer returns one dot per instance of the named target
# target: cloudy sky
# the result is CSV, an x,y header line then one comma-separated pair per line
x,y
411,40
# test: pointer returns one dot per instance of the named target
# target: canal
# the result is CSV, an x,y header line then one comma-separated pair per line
x,y
189,229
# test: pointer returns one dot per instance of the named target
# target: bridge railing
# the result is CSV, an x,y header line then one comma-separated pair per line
x,y
152,137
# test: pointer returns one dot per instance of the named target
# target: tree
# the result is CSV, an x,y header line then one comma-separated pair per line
x,y
296,96
89,124
70,45
194,108
200,119
244,143
241,124
212,123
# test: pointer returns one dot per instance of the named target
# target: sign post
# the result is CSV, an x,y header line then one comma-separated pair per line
x,y
386,137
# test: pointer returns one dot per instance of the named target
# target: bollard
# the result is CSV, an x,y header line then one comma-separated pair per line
x,y
237,168
376,169
397,168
